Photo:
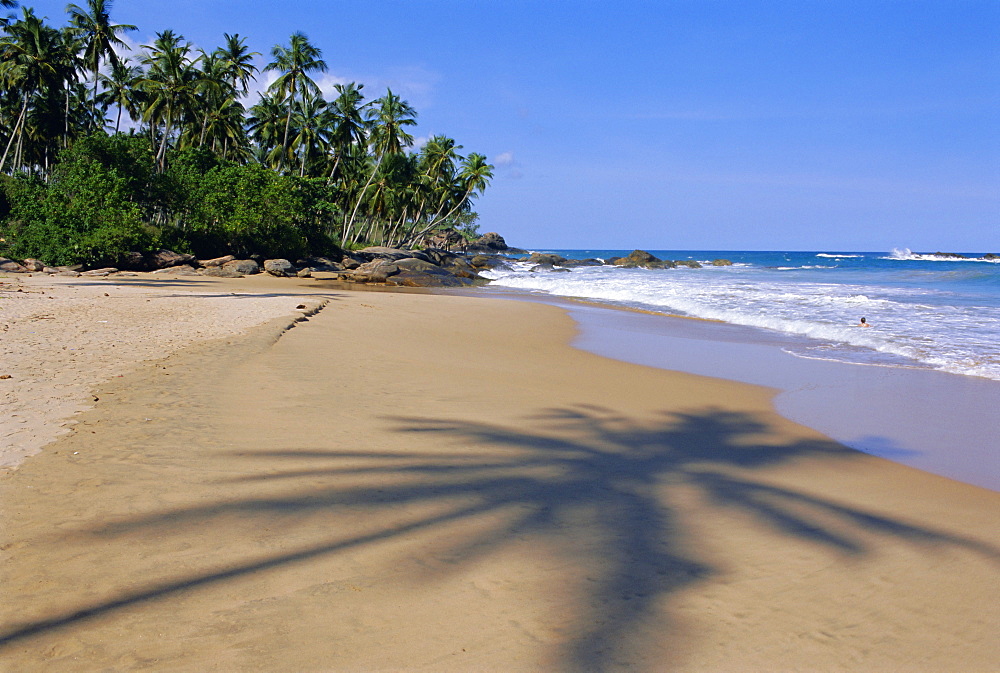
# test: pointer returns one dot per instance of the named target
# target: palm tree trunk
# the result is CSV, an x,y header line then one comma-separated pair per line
x,y
361,197
14,132
436,221
288,124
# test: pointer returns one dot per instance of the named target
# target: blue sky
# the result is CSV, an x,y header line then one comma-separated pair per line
x,y
679,124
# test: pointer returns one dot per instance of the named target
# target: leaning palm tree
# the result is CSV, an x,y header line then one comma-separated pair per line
x,y
100,36
30,62
294,62
474,177
388,136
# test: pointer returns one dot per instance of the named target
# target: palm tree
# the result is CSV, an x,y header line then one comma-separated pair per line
x,y
121,91
348,124
236,62
100,36
388,136
474,177
294,62
265,125
171,82
314,122
30,61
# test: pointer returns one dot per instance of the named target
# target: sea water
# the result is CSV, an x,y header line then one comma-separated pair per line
x,y
925,311
921,386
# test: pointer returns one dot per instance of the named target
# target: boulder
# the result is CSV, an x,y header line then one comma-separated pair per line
x,y
279,267
445,238
33,265
690,263
991,256
304,273
181,270
488,242
382,252
10,266
320,264
106,271
163,258
244,267
215,261
50,270
544,258
721,262
220,272
590,261
418,273
133,261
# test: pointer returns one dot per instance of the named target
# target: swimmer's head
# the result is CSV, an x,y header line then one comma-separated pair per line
x,y
862,320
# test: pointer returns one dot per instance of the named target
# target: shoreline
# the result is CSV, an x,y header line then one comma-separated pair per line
x,y
429,481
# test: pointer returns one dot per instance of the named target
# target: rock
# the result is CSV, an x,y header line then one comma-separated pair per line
x,y
590,261
381,252
279,267
377,270
544,258
11,266
164,258
488,242
690,263
220,272
417,273
245,267
991,256
133,261
721,262
304,273
50,270
445,238
182,270
215,261
320,264
948,255
100,272
33,265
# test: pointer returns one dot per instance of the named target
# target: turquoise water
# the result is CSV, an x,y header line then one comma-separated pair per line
x,y
925,311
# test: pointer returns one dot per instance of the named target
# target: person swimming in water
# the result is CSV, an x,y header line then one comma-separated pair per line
x,y
863,323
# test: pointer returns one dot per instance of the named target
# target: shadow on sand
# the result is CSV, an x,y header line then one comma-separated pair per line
x,y
589,479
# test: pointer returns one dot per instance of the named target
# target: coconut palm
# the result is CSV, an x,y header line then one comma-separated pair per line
x,y
388,136
237,62
100,36
120,90
348,122
474,177
31,60
294,62
171,82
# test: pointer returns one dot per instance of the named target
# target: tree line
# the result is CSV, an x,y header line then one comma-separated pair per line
x,y
103,154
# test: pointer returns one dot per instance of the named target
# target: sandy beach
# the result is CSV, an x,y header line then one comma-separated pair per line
x,y
384,481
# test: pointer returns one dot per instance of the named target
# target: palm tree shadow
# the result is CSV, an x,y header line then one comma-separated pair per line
x,y
585,481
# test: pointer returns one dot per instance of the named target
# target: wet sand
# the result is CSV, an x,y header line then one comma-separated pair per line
x,y
441,483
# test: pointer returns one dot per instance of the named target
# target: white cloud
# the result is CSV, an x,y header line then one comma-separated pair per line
x,y
503,160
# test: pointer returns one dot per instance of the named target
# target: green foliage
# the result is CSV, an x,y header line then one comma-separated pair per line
x,y
86,214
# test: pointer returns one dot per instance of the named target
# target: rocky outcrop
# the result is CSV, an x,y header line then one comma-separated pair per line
x,y
244,267
721,262
10,266
215,261
689,263
544,258
163,258
279,267
643,259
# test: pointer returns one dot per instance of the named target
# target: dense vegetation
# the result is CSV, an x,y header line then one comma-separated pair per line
x,y
103,154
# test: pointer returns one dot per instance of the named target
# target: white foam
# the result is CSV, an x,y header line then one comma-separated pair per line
x,y
910,322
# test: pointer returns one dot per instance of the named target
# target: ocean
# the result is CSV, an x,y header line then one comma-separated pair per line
x,y
925,311
921,386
